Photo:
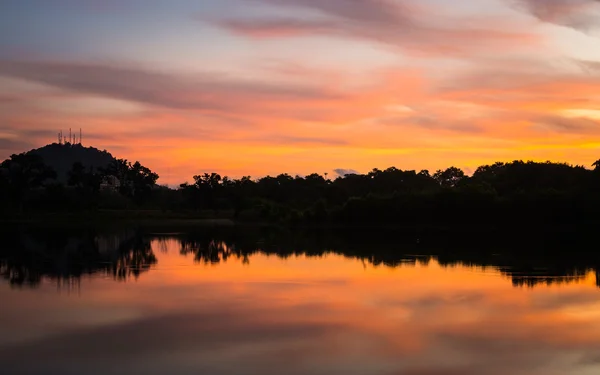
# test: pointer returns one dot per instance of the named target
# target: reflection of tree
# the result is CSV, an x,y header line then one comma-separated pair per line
x,y
27,258
133,259
547,276
530,270
207,251
533,281
18,274
523,262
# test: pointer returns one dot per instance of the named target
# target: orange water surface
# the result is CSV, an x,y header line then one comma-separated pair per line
x,y
300,315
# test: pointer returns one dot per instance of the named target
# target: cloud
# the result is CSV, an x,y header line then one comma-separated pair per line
x,y
8,99
200,92
400,24
572,125
589,67
367,11
525,88
283,27
317,98
110,7
300,140
579,14
9,146
341,172
433,122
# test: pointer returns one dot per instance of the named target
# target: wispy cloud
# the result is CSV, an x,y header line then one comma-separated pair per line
x,y
314,100
200,92
535,87
580,14
274,28
11,145
364,11
571,125
401,24
299,140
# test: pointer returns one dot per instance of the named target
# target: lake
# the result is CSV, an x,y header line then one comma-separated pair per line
x,y
224,301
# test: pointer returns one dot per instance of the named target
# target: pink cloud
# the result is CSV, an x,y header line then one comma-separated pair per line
x,y
276,28
399,24
574,13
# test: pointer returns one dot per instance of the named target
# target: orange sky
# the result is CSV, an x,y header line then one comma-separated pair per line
x,y
263,87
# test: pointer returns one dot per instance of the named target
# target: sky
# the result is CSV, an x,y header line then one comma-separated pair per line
x,y
262,87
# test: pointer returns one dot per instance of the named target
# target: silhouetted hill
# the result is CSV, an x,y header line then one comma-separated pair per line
x,y
62,157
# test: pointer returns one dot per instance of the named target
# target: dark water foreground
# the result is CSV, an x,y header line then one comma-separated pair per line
x,y
271,301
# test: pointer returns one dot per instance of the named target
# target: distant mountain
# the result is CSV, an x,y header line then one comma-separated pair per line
x,y
61,158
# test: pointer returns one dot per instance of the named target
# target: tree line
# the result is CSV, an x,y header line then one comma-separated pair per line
x,y
27,184
499,193
517,192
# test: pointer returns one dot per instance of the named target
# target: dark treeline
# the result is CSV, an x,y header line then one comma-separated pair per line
x,y
28,185
30,255
498,194
501,194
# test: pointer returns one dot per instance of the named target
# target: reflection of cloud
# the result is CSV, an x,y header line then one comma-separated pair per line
x,y
148,339
435,301
581,300
322,315
466,332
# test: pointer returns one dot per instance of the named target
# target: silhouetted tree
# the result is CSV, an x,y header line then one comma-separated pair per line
x,y
450,177
136,181
22,174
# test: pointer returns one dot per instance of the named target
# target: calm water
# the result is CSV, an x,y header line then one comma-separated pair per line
x,y
133,303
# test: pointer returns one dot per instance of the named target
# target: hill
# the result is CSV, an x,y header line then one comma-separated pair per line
x,y
61,158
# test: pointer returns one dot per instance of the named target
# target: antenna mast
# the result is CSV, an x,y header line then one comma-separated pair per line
x,y
80,136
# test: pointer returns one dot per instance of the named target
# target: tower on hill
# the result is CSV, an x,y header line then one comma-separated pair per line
x,y
73,140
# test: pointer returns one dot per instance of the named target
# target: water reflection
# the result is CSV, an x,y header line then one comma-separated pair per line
x,y
28,257
264,302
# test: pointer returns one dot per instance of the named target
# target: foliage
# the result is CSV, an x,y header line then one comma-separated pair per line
x,y
61,158
28,184
497,194
500,194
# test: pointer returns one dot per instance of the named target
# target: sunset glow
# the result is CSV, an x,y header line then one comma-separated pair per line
x,y
258,87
